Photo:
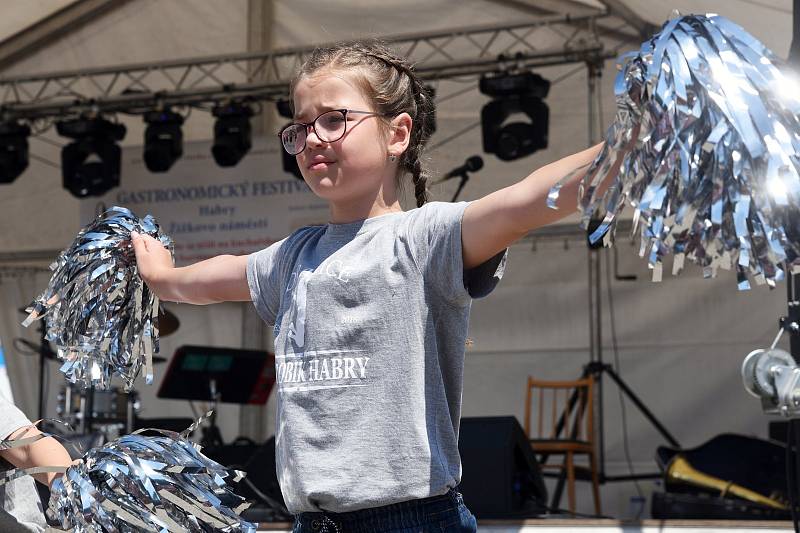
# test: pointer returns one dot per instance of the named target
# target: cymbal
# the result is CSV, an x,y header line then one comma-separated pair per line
x,y
168,323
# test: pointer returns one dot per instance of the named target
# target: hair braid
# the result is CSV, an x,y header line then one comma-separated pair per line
x,y
422,117
420,183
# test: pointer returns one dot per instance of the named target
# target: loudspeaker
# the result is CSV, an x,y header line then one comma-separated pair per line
x,y
500,475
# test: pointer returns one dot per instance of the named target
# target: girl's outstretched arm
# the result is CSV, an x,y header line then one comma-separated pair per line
x,y
497,220
219,279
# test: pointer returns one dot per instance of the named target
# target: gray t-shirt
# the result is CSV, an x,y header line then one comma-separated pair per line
x,y
22,509
370,325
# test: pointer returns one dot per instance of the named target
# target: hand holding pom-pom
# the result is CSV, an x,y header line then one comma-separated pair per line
x,y
101,316
714,174
153,259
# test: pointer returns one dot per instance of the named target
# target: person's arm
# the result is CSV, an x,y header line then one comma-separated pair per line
x,y
44,452
492,223
219,279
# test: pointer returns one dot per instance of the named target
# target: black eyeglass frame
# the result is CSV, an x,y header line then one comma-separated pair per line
x,y
343,111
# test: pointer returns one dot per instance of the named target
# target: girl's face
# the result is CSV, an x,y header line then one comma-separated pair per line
x,y
356,166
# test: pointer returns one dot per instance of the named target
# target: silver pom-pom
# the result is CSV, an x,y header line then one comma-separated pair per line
x,y
141,483
99,313
707,134
148,484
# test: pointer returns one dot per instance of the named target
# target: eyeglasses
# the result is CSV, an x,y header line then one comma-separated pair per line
x,y
329,126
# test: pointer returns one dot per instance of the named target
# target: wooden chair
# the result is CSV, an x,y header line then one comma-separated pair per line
x,y
564,427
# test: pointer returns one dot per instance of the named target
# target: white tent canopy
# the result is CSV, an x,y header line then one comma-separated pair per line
x,y
679,343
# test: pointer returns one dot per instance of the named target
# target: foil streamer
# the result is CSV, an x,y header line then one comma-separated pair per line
x,y
148,483
706,136
144,484
99,313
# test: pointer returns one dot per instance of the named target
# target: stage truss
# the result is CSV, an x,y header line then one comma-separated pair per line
x,y
265,76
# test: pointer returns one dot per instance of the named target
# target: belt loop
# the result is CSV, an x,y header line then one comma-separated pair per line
x,y
325,521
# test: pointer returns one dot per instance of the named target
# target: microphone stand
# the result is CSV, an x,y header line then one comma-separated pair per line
x,y
43,349
597,368
464,179
473,164
212,438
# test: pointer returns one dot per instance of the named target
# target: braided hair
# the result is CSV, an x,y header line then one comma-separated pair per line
x,y
390,82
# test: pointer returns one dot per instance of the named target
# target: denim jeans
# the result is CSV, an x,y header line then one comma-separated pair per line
x,y
439,514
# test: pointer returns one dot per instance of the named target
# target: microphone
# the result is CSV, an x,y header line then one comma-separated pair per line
x,y
472,164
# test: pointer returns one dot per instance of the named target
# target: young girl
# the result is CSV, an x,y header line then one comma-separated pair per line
x,y
370,310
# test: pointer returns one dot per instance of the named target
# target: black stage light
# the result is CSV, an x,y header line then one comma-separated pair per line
x,y
91,164
163,140
290,165
284,108
13,150
232,133
514,94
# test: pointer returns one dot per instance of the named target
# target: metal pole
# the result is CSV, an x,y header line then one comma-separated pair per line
x,y
595,285
42,363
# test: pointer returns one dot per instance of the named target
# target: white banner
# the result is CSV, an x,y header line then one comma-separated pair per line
x,y
209,210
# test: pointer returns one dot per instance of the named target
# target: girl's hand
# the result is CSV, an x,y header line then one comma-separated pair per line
x,y
219,279
154,261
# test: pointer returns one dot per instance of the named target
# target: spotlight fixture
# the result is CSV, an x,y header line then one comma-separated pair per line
x,y
13,150
232,133
284,108
514,94
163,140
90,165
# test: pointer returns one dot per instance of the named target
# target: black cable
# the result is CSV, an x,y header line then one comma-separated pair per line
x,y
45,385
557,510
48,141
567,75
794,426
194,410
276,506
618,368
43,160
457,93
767,6
790,484
455,135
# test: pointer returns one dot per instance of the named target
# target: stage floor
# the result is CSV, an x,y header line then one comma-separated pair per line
x,y
609,526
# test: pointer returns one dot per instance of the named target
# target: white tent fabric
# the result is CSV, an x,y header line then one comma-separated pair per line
x,y
680,343
20,14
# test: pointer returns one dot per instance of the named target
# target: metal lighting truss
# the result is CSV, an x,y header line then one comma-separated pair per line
x,y
266,75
